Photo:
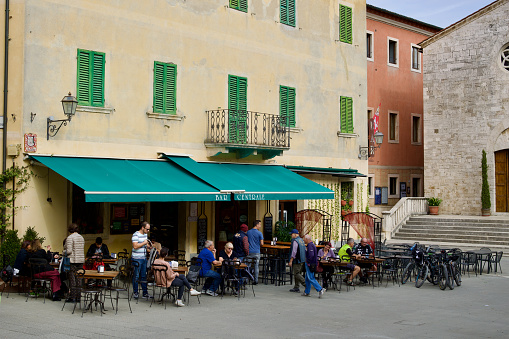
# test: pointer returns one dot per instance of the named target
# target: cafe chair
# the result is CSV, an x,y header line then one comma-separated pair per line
x,y
495,260
38,285
485,259
390,269
160,283
468,260
248,273
194,280
120,284
180,256
231,278
89,295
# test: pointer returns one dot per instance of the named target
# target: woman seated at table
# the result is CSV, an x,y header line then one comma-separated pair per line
x,y
172,278
227,254
21,263
324,254
46,271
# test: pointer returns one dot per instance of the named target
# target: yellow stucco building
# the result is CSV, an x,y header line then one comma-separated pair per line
x,y
193,88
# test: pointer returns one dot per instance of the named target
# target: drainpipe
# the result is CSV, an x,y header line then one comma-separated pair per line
x,y
6,87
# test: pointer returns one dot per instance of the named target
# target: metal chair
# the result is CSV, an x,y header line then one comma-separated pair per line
x,y
38,285
161,283
248,273
469,259
180,256
496,260
232,278
118,285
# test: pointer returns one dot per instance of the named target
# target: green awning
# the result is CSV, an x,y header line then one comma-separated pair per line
x,y
254,182
120,180
338,172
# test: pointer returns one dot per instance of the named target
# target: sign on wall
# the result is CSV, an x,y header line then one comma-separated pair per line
x,y
30,143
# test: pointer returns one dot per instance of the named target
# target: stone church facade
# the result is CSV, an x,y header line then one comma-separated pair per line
x,y
466,106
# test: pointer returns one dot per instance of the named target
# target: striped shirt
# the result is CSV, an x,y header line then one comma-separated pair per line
x,y
139,253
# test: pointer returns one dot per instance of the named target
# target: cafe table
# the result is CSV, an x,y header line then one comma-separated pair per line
x,y
106,275
279,259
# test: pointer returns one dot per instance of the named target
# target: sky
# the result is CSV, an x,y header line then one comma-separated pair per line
x,y
441,13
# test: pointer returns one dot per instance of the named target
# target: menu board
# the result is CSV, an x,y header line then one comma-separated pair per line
x,y
202,232
126,218
267,226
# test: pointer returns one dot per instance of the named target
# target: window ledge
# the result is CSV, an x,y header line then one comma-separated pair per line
x,y
393,141
165,116
347,135
415,70
295,129
393,65
417,143
93,109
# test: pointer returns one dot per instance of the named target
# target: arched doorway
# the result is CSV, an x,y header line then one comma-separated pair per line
x,y
502,180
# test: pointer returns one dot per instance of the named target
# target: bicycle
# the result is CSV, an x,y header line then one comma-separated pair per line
x,y
453,267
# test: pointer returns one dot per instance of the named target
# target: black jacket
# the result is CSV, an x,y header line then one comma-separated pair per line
x,y
104,251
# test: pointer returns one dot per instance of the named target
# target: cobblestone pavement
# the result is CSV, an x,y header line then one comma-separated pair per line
x,y
478,308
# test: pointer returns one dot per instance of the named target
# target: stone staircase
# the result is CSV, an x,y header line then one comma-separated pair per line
x,y
456,229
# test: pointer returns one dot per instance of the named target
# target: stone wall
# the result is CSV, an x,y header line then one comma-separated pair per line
x,y
466,100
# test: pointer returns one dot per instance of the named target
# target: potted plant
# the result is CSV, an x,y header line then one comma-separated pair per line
x,y
485,190
343,198
433,204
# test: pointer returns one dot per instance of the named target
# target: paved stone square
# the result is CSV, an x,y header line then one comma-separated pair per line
x,y
477,309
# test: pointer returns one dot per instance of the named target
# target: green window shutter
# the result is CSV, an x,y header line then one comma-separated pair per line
x,y
232,92
242,94
283,104
170,101
97,84
158,87
287,12
165,88
291,107
346,115
345,24
90,78
83,78
240,5
237,105
287,105
291,12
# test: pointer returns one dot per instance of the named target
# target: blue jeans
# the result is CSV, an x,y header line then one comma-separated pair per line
x,y
213,278
140,273
257,265
310,280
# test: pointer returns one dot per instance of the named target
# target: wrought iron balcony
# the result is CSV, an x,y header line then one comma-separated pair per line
x,y
245,130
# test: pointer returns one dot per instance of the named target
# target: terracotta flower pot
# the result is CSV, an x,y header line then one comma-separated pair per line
x,y
486,212
433,210
350,202
343,213
343,202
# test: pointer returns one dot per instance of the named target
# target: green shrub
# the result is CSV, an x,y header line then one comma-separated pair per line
x,y
434,201
9,248
31,234
283,230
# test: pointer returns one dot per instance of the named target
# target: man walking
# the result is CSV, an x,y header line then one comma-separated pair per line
x,y
255,239
297,259
139,257
311,262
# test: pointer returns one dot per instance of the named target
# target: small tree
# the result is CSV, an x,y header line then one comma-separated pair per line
x,y
485,190
31,234
9,248
19,175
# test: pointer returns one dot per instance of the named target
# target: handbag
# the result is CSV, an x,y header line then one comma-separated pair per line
x,y
194,272
66,264
319,268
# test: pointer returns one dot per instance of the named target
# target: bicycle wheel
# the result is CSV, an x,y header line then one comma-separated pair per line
x,y
432,276
443,277
422,273
407,272
456,274
450,275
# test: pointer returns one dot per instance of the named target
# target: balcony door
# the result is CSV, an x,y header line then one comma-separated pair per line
x,y
237,109
501,180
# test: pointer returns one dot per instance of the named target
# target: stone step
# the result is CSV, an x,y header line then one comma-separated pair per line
x,y
412,222
454,240
456,228
453,232
450,237
463,220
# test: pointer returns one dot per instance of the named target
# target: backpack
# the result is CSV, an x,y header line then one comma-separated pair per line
x,y
194,272
6,274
